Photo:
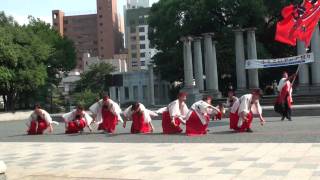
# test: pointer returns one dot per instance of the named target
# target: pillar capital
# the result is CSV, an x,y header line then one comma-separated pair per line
x,y
250,29
186,38
197,38
210,34
239,30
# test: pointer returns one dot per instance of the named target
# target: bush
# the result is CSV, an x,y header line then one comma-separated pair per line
x,y
85,98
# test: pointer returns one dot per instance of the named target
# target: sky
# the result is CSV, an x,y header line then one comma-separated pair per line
x,y
21,9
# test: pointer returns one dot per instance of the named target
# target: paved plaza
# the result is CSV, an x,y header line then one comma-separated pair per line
x,y
279,150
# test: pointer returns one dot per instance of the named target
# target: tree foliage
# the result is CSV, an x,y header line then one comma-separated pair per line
x,y
30,58
170,20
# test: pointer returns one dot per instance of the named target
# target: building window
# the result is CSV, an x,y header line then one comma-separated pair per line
x,y
65,29
100,7
101,47
142,55
141,21
133,38
142,46
143,63
142,38
101,24
55,24
100,16
101,32
134,55
133,47
135,92
141,29
101,40
65,22
144,92
126,93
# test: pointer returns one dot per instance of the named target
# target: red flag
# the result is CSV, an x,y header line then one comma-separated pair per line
x,y
308,22
298,22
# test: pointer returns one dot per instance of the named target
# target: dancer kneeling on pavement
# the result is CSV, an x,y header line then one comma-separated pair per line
x,y
141,118
246,108
106,113
77,120
199,117
174,114
39,121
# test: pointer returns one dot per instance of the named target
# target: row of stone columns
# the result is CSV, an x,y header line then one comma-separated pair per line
x,y
211,70
253,76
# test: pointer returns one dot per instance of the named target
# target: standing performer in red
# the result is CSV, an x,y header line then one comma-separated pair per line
x,y
284,101
39,121
199,116
174,115
77,120
141,118
246,108
106,114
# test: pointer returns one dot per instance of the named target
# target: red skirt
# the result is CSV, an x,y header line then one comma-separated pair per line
x,y
168,127
247,124
194,126
139,125
76,126
109,121
234,120
37,127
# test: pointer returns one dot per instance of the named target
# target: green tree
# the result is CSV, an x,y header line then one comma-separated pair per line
x,y
171,19
22,61
94,79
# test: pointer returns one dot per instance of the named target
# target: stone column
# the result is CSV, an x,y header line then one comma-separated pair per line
x,y
240,60
198,67
315,47
187,62
303,87
193,93
151,85
252,54
211,65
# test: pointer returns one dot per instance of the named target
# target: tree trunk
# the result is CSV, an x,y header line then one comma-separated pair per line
x,y
4,102
11,102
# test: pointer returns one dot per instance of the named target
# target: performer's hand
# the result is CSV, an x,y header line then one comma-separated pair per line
x,y
50,129
173,122
262,121
124,124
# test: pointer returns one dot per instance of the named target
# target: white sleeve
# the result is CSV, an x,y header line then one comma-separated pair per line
x,y
174,110
128,113
185,110
30,118
256,109
47,117
88,118
117,110
244,105
69,116
95,108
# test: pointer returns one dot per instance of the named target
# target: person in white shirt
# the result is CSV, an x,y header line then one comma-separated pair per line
x,y
140,117
245,109
284,100
77,120
39,121
199,117
106,114
175,114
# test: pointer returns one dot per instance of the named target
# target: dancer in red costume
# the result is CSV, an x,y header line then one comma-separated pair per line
x,y
246,108
174,115
77,120
141,118
106,114
39,121
199,117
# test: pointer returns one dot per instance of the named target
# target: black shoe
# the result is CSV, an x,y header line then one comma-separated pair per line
x,y
249,130
282,119
289,119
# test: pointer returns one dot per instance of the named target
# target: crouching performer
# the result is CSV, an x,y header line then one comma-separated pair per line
x,y
246,108
140,117
199,117
39,121
77,120
174,114
106,113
